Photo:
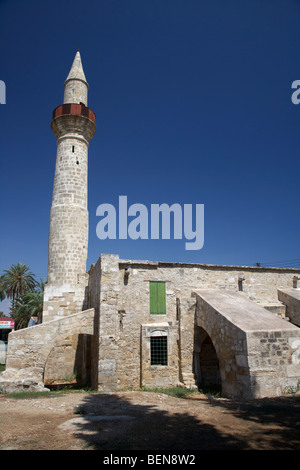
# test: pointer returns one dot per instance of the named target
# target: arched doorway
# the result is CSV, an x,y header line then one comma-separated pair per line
x,y
206,363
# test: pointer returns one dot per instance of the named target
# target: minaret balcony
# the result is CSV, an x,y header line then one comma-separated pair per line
x,y
74,118
78,109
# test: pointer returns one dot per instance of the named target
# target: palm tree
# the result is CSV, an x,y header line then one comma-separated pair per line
x,y
2,288
28,304
17,280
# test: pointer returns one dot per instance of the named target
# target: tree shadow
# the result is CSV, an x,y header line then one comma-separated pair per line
x,y
280,416
113,422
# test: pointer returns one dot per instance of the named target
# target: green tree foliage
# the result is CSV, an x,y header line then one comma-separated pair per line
x,y
16,280
19,284
2,288
29,304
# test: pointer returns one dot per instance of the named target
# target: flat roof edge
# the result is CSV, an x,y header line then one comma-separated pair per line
x,y
127,262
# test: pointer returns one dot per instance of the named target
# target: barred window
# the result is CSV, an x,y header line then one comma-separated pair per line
x,y
159,350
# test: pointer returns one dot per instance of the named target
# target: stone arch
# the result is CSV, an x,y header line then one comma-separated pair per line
x,y
69,361
249,341
31,350
206,366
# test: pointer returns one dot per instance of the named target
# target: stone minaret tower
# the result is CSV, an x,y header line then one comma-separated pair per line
x,y
74,125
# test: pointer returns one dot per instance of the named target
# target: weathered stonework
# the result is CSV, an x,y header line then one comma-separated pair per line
x,y
36,351
73,125
259,353
65,300
120,289
159,375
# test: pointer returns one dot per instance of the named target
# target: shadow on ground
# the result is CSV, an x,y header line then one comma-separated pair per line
x,y
121,422
279,419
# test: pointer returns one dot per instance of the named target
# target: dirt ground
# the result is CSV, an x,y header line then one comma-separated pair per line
x,y
148,421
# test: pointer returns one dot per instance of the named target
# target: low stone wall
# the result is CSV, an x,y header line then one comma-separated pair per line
x,y
29,350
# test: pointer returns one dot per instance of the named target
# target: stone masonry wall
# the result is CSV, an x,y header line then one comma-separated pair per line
x,y
107,291
75,92
259,284
231,348
68,230
274,361
65,299
125,314
186,308
258,352
30,348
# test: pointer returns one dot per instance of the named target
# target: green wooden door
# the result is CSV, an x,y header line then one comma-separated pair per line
x,y
157,298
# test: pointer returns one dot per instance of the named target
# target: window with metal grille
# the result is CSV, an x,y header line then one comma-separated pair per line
x,y
159,350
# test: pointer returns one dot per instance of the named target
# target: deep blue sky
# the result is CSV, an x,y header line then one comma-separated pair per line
x,y
193,105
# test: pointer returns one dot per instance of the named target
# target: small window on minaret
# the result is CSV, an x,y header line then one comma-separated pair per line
x,y
73,148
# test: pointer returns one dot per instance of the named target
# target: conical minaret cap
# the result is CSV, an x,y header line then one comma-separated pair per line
x,y
76,72
76,86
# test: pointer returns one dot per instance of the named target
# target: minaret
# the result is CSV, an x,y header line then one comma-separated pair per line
x,y
74,125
